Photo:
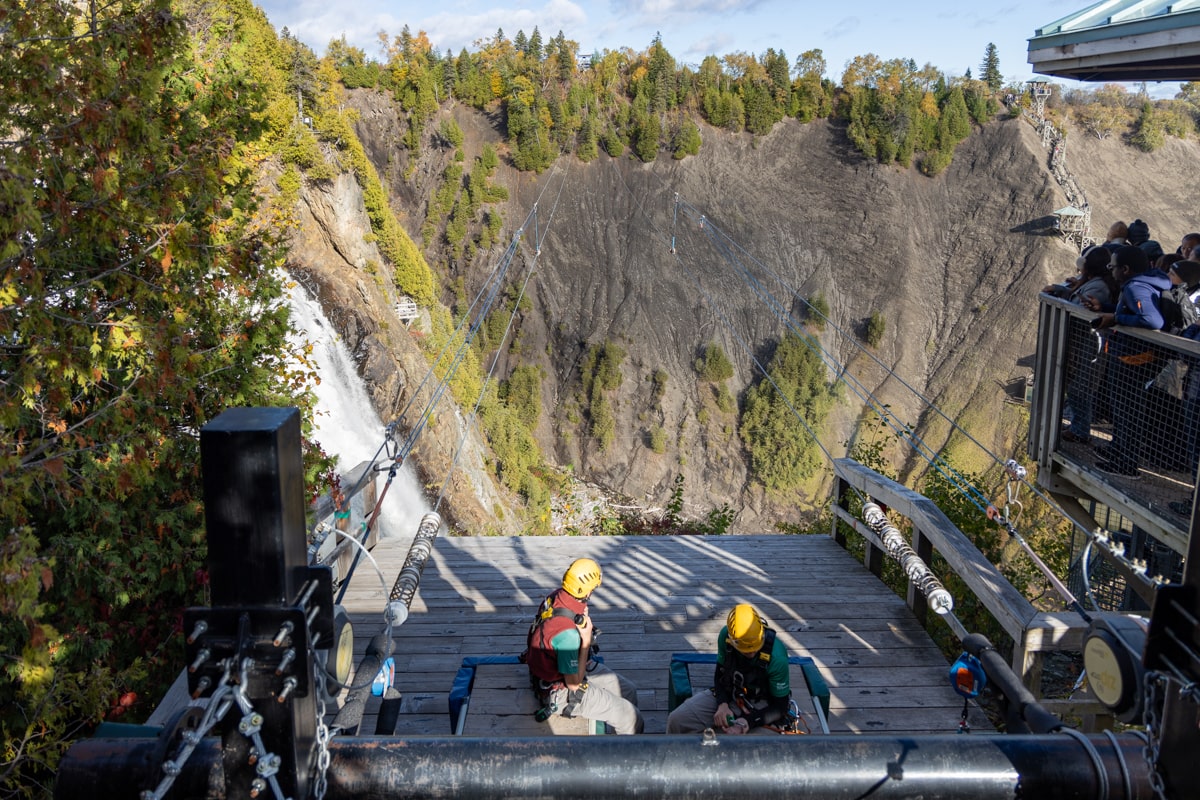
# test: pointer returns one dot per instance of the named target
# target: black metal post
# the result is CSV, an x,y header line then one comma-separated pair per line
x,y
261,587
254,506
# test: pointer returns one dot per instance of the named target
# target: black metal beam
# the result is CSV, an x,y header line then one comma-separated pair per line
x,y
971,767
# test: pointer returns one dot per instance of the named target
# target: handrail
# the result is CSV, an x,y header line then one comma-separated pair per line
x,y
1010,608
1033,632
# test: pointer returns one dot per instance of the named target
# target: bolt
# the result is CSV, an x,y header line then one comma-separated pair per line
x,y
285,630
250,724
201,657
202,686
289,686
198,631
289,656
269,765
257,787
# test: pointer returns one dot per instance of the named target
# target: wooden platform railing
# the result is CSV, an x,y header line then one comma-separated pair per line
x,y
1033,632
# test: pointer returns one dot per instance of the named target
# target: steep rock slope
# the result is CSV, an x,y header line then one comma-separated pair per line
x,y
950,262
953,263
1123,183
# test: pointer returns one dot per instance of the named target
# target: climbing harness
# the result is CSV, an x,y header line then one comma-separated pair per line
x,y
793,723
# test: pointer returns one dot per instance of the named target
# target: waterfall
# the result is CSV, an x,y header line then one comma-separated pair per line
x,y
346,423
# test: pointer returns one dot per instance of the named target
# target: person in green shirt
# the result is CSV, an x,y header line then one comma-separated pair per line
x,y
751,685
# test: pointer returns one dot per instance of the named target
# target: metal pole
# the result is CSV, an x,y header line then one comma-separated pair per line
x,y
1028,710
975,767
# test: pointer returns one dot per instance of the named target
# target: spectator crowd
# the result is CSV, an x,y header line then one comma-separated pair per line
x,y
1129,281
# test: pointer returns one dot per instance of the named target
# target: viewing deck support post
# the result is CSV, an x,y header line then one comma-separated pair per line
x,y
1173,647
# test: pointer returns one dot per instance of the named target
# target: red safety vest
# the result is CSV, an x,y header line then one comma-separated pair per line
x,y
557,613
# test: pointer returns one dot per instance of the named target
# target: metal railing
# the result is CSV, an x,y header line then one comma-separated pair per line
x,y
1114,420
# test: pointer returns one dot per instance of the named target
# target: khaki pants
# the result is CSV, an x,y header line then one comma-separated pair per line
x,y
609,698
696,714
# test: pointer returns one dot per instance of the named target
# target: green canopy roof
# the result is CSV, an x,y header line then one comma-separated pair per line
x,y
1122,40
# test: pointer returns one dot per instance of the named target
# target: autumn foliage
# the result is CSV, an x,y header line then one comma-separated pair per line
x,y
139,297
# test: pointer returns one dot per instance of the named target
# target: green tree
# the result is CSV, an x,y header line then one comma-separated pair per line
x,y
139,298
876,326
818,310
686,141
989,69
783,452
714,365
813,98
1147,133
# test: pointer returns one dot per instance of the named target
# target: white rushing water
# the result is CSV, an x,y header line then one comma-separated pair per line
x,y
346,423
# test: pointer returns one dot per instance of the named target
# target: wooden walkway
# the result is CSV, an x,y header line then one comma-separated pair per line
x,y
660,595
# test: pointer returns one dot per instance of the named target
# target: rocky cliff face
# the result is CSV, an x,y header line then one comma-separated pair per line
x,y
953,264
334,260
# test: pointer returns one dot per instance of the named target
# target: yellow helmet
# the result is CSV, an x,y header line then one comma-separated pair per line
x,y
745,629
581,578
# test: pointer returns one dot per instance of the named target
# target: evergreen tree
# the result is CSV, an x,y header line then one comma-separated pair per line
x,y
989,69
783,452
1147,133
535,44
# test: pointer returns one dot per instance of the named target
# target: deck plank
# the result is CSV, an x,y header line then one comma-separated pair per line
x,y
660,595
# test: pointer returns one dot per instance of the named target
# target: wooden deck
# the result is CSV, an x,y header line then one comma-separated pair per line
x,y
660,595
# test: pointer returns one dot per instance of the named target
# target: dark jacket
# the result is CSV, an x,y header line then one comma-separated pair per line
x,y
1139,306
1140,303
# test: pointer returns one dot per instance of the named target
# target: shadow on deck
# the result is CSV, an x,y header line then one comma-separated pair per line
x,y
661,595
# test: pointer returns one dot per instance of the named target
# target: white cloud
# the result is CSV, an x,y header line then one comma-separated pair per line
x,y
454,31
667,8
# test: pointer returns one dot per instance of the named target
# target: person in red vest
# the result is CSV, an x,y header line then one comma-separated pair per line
x,y
566,680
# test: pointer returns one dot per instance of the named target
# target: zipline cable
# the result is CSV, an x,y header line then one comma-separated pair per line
x,y
844,375
964,486
469,422
482,304
1014,470
980,500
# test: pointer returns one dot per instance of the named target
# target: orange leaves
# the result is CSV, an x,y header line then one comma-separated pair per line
x,y
165,262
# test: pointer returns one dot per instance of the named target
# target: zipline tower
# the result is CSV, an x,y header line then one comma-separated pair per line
x,y
1074,224
1040,91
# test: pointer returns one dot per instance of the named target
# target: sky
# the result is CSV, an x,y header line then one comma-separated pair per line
x,y
950,34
